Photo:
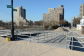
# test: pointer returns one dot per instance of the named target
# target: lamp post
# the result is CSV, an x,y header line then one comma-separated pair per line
x,y
12,17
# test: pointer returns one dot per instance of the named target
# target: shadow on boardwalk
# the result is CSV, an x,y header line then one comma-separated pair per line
x,y
76,43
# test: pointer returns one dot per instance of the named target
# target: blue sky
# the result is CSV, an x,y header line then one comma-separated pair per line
x,y
36,8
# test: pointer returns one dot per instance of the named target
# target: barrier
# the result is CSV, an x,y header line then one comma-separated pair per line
x,y
75,43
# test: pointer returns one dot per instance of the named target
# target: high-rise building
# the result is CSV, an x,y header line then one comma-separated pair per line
x,y
82,10
54,15
20,16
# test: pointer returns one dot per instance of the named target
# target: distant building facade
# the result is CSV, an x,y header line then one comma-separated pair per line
x,y
82,10
54,15
76,19
20,16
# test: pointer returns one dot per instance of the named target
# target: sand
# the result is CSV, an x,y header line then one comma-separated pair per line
x,y
61,29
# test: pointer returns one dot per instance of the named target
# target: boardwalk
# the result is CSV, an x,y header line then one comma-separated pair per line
x,y
25,48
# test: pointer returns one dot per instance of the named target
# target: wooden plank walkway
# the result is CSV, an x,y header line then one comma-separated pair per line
x,y
24,48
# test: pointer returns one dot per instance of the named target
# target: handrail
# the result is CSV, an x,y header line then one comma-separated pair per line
x,y
72,42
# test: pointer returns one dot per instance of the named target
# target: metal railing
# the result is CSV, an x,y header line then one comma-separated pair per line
x,y
75,42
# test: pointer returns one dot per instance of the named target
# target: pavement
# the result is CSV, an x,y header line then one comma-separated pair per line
x,y
25,48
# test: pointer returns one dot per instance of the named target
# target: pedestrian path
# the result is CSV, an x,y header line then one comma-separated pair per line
x,y
25,48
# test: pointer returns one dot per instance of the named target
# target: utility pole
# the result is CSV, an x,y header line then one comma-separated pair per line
x,y
12,17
